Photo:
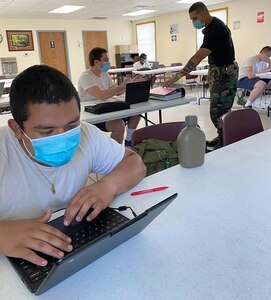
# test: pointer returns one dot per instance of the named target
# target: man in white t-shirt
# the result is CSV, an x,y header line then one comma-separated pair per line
x,y
96,84
142,63
248,80
46,155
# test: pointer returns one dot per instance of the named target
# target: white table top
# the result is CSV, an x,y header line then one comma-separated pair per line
x,y
199,72
266,75
212,242
120,70
170,69
7,81
159,70
140,108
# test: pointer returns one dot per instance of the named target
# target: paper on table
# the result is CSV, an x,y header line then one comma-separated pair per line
x,y
162,91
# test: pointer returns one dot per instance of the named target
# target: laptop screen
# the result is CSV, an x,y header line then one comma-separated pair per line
x,y
155,65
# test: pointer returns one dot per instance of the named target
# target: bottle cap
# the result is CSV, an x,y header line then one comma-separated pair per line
x,y
191,120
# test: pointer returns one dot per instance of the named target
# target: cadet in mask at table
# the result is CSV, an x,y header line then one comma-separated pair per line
x,y
96,84
46,155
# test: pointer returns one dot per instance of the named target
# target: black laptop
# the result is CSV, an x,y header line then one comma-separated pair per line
x,y
155,65
137,92
90,241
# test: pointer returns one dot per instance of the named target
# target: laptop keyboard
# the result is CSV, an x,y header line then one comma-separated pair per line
x,y
81,234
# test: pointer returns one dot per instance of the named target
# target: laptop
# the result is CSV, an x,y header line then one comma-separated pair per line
x,y
155,65
90,240
137,92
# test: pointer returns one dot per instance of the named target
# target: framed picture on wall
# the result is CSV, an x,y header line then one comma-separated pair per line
x,y
19,40
221,14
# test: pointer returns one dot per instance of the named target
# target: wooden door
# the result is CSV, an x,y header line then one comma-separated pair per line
x,y
53,50
93,39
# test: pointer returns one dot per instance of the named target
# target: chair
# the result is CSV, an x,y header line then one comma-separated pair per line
x,y
129,73
174,65
163,131
240,124
204,84
190,80
161,77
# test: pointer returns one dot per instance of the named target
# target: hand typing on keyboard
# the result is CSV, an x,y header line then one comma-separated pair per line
x,y
22,237
97,196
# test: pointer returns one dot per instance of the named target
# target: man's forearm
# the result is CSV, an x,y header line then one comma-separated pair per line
x,y
127,173
189,67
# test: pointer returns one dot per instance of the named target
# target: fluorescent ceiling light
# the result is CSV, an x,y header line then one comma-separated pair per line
x,y
65,9
186,1
139,12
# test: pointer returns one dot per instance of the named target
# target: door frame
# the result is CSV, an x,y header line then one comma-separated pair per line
x,y
82,32
65,45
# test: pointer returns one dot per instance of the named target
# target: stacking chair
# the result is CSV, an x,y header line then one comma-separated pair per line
x,y
162,77
163,131
190,80
240,124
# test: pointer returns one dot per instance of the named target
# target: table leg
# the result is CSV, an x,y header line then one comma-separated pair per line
x,y
203,93
160,116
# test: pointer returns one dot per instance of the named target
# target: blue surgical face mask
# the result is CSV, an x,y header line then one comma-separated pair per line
x,y
56,150
105,67
198,24
145,61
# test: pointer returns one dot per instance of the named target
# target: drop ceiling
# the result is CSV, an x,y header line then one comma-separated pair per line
x,y
94,9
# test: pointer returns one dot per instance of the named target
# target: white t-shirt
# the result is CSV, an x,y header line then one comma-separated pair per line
x,y
25,193
88,79
258,66
138,65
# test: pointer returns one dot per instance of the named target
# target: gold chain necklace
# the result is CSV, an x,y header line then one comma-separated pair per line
x,y
52,184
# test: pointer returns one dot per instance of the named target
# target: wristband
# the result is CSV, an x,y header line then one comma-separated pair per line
x,y
179,75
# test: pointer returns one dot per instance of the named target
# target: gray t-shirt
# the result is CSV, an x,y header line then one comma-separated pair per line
x,y
88,79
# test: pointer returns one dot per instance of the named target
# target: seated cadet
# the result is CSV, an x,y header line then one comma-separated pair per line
x,y
46,155
96,84
248,80
143,64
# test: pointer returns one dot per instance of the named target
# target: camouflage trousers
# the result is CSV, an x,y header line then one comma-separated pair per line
x,y
223,85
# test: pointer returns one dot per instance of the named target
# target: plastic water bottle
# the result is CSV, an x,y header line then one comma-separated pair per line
x,y
191,144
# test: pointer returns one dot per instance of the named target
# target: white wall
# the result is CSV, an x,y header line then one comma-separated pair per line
x,y
248,40
73,30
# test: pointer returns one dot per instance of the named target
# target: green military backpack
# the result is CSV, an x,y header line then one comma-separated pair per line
x,y
157,155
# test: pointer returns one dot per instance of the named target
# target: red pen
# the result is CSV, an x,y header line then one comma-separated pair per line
x,y
160,188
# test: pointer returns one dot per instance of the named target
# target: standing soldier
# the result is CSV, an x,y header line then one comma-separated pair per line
x,y
223,71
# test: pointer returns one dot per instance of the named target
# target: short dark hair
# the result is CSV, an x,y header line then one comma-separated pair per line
x,y
39,84
265,49
142,55
198,7
95,53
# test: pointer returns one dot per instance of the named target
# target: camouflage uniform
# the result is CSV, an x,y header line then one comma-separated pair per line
x,y
223,86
